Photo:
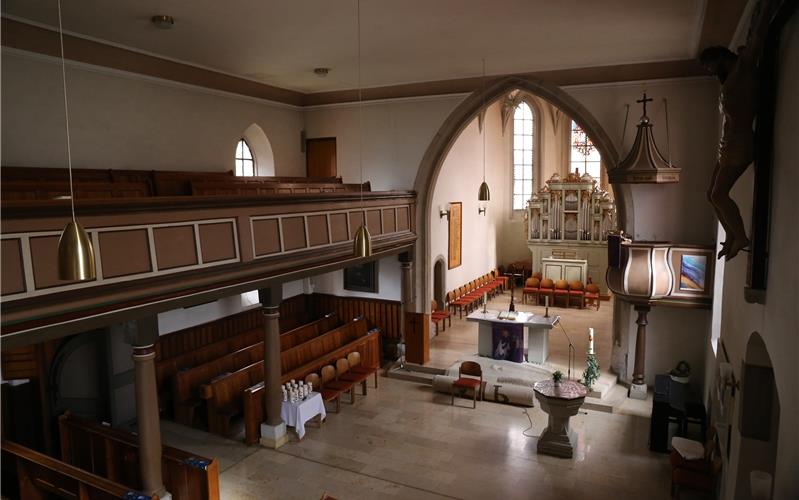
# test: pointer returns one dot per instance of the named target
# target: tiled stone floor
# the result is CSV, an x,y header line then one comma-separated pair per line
x,y
403,441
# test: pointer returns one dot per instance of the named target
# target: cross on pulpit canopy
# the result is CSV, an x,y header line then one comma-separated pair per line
x,y
645,100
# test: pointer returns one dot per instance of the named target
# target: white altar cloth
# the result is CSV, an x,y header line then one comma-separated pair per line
x,y
536,341
296,414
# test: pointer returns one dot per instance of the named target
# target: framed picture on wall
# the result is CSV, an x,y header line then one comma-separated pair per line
x,y
693,271
362,278
455,243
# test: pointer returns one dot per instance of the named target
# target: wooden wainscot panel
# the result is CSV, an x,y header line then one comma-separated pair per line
x,y
124,252
266,236
338,228
13,279
217,242
389,220
373,222
403,219
44,258
293,233
175,246
317,230
356,219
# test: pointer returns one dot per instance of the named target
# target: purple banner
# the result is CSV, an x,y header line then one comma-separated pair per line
x,y
508,342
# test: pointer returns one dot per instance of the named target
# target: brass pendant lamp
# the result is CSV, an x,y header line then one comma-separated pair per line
x,y
483,194
75,252
363,240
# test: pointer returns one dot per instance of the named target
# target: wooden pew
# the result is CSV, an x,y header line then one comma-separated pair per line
x,y
186,383
369,348
114,454
49,190
224,394
42,477
308,331
321,345
165,370
250,188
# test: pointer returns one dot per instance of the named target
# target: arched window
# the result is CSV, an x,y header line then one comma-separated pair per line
x,y
245,162
523,144
583,154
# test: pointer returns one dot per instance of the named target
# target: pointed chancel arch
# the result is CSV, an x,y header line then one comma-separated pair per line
x,y
456,122
261,150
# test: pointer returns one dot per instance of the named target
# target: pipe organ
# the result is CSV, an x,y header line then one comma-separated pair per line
x,y
570,218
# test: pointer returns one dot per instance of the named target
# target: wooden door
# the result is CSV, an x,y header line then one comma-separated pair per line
x,y
320,157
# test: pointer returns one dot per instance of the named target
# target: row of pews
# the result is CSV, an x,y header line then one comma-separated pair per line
x,y
30,183
100,462
226,377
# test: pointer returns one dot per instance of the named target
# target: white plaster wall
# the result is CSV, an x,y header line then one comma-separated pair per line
x,y
459,180
122,121
777,320
389,282
178,319
395,137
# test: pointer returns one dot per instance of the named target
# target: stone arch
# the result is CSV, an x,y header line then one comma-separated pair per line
x,y
456,122
261,149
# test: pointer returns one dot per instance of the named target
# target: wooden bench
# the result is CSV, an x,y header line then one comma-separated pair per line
x,y
186,383
251,188
308,331
114,454
224,394
41,477
48,190
165,370
369,348
321,345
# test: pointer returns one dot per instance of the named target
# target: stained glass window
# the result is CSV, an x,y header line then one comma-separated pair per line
x,y
584,155
523,144
245,163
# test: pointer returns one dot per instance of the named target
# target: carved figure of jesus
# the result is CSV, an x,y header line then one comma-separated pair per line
x,y
738,104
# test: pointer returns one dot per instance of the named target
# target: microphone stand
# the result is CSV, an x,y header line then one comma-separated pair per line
x,y
571,352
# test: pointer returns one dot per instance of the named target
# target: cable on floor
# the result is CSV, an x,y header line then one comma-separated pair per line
x,y
524,432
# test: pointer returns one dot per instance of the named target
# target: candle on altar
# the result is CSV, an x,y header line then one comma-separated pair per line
x,y
546,300
590,341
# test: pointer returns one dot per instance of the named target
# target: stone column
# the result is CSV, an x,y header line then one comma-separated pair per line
x,y
273,430
148,424
638,387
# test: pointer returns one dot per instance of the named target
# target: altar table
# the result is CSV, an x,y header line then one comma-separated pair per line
x,y
296,414
536,340
560,403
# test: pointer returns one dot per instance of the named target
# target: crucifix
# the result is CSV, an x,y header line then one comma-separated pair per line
x,y
645,100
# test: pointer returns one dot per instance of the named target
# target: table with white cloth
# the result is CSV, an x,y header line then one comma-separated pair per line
x,y
296,414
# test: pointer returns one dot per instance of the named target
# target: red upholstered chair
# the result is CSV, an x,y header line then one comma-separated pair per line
x,y
499,276
546,289
357,366
455,302
530,288
328,395
467,370
695,473
438,316
576,292
537,275
561,290
591,293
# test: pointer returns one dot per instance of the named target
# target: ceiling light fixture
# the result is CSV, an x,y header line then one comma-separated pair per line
x,y
321,72
75,252
483,194
363,240
163,22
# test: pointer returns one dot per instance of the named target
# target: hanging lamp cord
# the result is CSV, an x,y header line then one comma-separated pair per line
x,y
66,111
484,120
360,99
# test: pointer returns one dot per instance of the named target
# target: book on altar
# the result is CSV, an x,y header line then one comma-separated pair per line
x,y
511,315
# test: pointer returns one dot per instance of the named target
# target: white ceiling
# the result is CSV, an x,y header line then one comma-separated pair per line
x,y
279,42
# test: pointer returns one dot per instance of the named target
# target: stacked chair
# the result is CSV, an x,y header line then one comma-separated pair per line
x,y
470,295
